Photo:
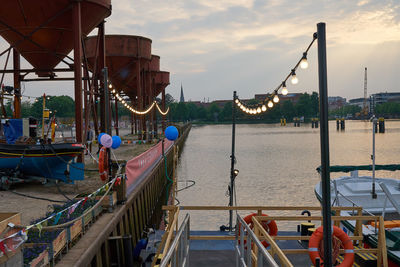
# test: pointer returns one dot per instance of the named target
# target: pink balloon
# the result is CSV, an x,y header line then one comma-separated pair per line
x,y
106,140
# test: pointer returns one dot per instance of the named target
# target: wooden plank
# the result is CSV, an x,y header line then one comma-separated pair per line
x,y
254,208
308,237
313,218
211,237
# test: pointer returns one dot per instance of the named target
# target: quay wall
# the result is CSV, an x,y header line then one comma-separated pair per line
x,y
116,233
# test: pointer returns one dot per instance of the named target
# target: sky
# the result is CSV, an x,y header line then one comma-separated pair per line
x,y
213,47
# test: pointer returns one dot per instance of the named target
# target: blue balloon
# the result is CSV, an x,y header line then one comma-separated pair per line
x,y
171,133
116,142
100,135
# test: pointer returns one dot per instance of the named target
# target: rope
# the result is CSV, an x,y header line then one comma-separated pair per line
x,y
40,198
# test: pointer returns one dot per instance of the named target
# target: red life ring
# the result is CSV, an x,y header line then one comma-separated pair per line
x,y
103,164
269,226
317,236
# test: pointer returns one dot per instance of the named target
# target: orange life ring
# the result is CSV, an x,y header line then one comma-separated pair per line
x,y
269,226
317,236
103,164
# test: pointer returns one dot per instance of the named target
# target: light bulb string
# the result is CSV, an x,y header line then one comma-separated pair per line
x,y
270,96
133,110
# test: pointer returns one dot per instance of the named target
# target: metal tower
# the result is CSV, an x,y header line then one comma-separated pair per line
x,y
365,107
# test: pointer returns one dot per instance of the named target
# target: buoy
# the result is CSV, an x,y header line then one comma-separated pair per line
x,y
269,226
316,238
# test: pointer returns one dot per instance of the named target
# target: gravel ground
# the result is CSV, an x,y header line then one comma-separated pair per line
x,y
31,208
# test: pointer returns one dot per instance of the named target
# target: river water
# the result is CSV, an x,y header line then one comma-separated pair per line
x,y
277,164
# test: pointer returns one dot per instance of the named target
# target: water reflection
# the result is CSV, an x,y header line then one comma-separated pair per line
x,y
277,164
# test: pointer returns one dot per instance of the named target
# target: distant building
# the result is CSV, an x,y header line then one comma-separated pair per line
x,y
336,102
182,98
358,102
381,98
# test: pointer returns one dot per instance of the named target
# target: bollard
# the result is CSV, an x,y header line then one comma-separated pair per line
x,y
381,125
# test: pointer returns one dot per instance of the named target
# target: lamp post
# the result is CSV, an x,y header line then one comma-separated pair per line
x,y
324,139
233,174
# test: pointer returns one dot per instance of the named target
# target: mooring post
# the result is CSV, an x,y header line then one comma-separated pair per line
x,y
324,139
232,185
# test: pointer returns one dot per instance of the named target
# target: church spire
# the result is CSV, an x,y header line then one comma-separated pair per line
x,y
182,98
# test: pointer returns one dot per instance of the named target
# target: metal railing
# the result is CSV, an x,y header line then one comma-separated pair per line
x,y
244,249
178,252
391,199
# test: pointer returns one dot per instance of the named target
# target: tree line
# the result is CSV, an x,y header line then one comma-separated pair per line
x,y
307,106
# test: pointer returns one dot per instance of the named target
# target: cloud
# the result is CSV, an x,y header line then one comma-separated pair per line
x,y
250,45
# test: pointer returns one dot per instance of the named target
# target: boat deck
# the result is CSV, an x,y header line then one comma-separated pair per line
x,y
221,252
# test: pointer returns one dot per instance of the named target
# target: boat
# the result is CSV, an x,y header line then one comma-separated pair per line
x,y
376,197
24,158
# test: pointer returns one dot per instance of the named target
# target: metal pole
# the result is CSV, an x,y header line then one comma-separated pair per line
x,y
77,30
116,117
107,124
324,139
374,121
232,185
17,84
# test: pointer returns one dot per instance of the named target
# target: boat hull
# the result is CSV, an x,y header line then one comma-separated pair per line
x,y
50,161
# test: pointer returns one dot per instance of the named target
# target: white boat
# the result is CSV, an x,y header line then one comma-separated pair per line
x,y
376,196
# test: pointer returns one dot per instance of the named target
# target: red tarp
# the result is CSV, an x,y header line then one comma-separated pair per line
x,y
140,166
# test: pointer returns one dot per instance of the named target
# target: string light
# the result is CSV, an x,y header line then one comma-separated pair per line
x,y
294,80
284,89
274,97
303,62
126,105
263,108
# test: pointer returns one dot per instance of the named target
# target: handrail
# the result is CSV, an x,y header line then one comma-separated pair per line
x,y
183,257
349,200
253,238
390,197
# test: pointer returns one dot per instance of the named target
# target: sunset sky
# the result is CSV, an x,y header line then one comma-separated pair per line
x,y
215,47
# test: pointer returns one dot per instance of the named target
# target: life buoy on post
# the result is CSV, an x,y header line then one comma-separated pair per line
x,y
103,164
269,226
316,238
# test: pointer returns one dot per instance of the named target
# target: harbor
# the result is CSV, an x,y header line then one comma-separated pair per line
x,y
101,164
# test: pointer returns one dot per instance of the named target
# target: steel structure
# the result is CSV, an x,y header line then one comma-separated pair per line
x,y
134,73
44,32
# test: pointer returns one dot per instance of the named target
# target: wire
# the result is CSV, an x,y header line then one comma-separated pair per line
x,y
34,197
188,186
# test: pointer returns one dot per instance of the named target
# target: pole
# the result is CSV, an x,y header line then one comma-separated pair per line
x,y
106,103
374,121
44,106
324,139
232,185
77,34
17,84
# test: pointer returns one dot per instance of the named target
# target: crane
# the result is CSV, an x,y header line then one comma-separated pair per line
x,y
365,106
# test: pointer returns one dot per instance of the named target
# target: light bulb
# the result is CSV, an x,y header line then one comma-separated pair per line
x,y
295,80
258,110
110,86
247,110
270,104
236,101
113,91
284,89
303,62
239,105
263,108
276,99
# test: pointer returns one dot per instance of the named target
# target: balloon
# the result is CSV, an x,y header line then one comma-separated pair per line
x,y
116,142
171,133
106,140
99,137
